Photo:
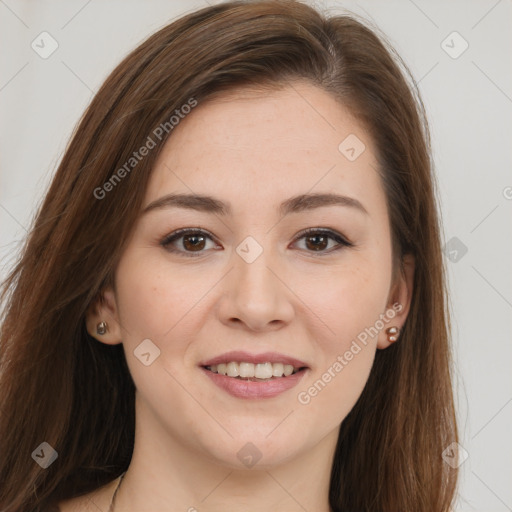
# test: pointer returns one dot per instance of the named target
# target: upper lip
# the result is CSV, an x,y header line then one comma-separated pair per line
x,y
246,357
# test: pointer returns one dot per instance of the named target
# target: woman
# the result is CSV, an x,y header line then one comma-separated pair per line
x,y
233,294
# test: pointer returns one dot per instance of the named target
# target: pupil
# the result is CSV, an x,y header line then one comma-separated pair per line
x,y
316,247
186,241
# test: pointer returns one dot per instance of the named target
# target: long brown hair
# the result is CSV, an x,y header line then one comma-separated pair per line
x,y
59,386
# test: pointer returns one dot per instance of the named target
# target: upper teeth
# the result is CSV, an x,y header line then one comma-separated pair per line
x,y
259,370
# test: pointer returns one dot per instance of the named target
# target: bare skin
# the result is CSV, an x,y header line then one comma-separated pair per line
x,y
253,151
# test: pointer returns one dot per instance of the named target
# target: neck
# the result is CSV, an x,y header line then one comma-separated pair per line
x,y
166,472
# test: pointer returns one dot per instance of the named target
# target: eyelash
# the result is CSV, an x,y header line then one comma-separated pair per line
x,y
176,235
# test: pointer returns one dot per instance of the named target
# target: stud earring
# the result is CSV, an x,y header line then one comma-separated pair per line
x,y
392,333
102,328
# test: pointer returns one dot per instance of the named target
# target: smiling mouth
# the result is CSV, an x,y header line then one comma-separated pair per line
x,y
258,372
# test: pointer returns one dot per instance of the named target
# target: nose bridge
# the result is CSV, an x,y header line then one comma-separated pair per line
x,y
257,295
253,278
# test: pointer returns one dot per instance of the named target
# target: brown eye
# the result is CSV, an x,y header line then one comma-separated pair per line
x,y
189,242
193,242
317,242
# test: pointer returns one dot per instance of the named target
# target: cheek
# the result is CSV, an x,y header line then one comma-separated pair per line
x,y
351,304
349,300
329,396
152,304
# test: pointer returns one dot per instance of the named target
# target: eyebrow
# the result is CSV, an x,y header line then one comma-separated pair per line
x,y
296,204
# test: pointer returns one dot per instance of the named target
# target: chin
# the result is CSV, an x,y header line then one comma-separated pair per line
x,y
257,449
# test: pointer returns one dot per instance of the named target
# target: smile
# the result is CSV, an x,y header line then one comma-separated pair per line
x,y
247,375
254,372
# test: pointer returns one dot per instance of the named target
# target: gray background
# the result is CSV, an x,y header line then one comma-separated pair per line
x,y
469,103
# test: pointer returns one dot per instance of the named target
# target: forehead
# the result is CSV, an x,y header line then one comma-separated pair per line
x,y
250,145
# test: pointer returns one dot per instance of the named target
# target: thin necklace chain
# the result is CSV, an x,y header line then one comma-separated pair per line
x,y
112,501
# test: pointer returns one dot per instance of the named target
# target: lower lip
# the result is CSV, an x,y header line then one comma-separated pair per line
x,y
252,389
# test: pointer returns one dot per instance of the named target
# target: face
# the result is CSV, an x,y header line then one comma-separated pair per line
x,y
245,277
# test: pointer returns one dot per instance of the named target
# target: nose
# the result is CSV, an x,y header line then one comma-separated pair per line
x,y
255,294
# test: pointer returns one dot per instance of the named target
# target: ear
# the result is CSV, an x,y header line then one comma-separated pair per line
x,y
399,300
104,309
